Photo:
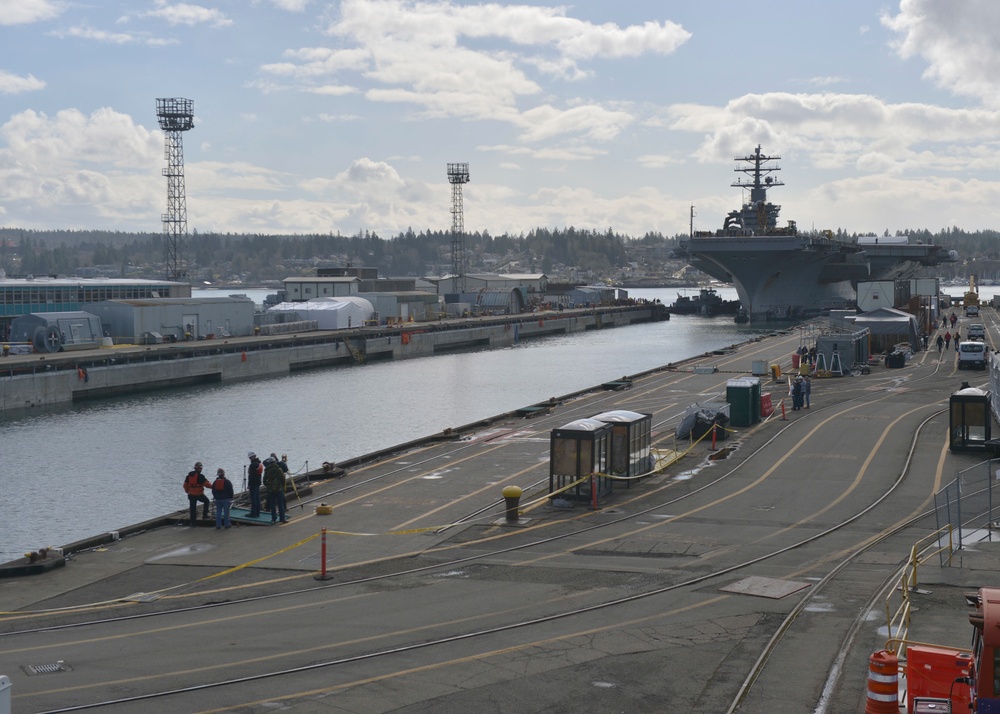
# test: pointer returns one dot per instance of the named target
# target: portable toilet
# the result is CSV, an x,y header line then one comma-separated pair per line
x,y
578,460
631,442
743,395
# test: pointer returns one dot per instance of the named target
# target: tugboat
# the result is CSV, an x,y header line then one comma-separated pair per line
x,y
742,317
708,303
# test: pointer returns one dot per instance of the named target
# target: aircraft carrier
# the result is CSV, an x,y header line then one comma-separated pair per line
x,y
780,273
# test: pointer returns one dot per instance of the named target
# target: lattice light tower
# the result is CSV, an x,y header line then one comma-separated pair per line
x,y
176,116
458,174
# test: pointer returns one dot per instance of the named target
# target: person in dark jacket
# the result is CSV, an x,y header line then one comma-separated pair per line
x,y
255,472
222,494
797,394
194,487
274,482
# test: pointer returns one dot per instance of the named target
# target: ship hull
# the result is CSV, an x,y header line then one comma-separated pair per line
x,y
784,277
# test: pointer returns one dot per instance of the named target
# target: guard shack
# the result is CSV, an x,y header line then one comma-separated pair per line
x,y
631,443
969,419
579,454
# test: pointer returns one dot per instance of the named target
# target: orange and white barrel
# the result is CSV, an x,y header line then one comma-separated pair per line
x,y
883,683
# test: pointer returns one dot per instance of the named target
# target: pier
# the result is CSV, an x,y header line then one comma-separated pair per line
x,y
38,379
744,577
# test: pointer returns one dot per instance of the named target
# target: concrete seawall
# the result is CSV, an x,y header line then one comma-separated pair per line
x,y
34,380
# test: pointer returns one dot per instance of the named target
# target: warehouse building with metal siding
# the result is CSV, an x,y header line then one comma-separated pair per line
x,y
169,319
30,295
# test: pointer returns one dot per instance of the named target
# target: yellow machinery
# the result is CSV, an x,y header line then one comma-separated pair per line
x,y
972,294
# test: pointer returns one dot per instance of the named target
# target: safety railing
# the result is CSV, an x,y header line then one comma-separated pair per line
x,y
898,617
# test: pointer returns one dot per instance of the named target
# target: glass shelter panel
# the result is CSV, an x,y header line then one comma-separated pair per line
x,y
578,455
630,444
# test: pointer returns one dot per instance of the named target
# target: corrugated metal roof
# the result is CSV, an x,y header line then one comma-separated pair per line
x,y
149,302
81,282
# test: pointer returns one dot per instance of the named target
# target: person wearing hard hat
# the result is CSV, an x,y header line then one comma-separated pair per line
x,y
194,486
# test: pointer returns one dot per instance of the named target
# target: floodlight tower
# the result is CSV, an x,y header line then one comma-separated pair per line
x,y
176,116
458,174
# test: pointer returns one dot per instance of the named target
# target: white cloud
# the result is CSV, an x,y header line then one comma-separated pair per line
x,y
112,38
102,165
958,41
22,12
187,14
473,61
15,84
291,5
840,129
826,81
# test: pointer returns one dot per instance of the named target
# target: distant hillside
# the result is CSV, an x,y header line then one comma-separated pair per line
x,y
568,253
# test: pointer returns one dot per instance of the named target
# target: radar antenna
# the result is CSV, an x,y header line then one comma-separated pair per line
x,y
175,116
458,174
760,173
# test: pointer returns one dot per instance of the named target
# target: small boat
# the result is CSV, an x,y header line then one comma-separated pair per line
x,y
742,317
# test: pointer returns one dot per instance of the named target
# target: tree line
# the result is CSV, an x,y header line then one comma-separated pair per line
x,y
256,257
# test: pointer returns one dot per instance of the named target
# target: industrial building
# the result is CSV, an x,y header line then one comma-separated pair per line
x,y
167,319
32,295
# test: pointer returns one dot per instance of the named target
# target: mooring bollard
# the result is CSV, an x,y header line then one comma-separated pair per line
x,y
322,575
512,499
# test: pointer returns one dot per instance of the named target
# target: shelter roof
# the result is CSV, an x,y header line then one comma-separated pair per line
x,y
150,302
324,279
81,282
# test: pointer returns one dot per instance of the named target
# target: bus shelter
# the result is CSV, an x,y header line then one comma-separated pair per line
x,y
579,455
969,419
631,442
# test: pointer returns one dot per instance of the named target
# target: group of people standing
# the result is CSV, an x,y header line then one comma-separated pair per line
x,y
271,473
195,484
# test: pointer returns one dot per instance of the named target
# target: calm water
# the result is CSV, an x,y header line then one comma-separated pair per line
x,y
72,472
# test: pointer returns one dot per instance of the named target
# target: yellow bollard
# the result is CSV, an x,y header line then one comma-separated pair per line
x,y
512,498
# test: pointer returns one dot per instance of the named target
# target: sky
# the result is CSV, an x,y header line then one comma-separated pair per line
x,y
341,117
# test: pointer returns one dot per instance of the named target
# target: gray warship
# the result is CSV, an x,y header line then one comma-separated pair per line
x,y
780,273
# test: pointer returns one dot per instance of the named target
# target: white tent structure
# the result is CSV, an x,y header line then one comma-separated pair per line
x,y
331,313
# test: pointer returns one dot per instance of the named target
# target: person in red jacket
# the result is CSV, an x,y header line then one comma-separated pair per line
x,y
194,486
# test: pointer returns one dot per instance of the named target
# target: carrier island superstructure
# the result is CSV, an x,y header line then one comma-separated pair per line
x,y
780,273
